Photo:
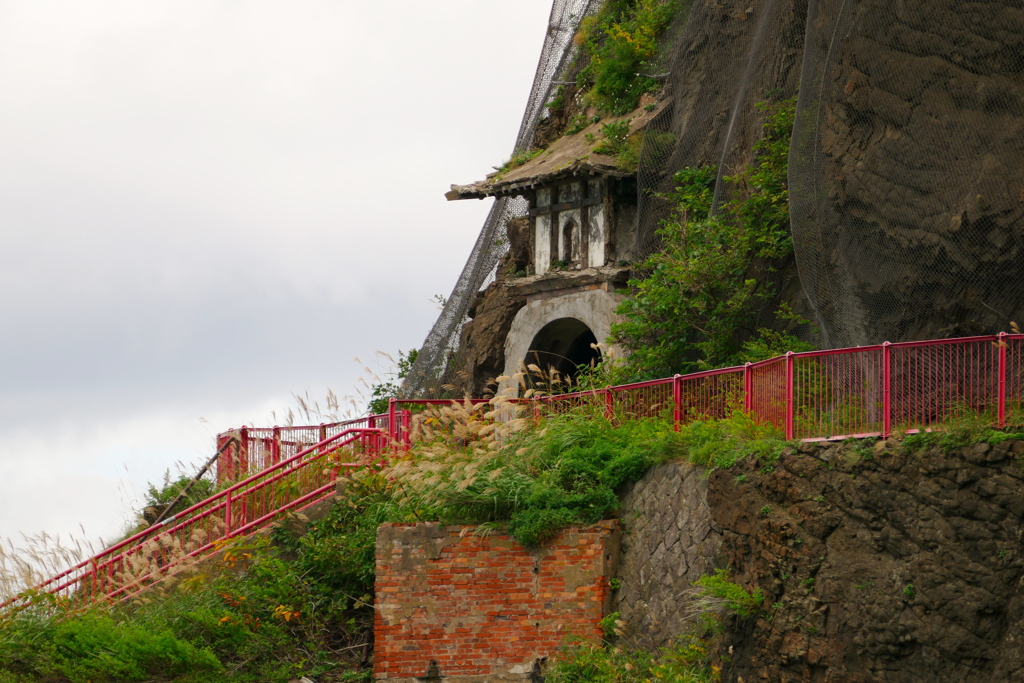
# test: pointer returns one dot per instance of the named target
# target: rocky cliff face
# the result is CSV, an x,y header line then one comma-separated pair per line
x,y
907,198
906,173
877,564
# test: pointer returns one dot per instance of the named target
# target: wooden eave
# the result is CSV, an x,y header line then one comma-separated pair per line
x,y
570,155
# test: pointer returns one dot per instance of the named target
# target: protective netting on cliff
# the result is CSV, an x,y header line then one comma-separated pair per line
x,y
906,173
721,60
906,168
438,357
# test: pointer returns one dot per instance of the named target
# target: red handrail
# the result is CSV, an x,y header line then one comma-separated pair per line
x,y
134,563
831,394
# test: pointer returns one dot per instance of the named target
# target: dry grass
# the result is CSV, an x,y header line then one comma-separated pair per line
x,y
36,559
455,448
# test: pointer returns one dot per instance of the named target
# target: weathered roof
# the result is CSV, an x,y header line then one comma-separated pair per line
x,y
567,156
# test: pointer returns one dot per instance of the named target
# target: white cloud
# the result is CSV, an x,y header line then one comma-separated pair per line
x,y
206,205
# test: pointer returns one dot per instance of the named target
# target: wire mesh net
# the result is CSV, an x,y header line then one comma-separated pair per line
x,y
905,170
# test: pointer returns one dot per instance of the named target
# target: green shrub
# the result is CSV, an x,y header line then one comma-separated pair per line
x,y
169,490
698,294
687,661
382,392
736,599
471,470
620,44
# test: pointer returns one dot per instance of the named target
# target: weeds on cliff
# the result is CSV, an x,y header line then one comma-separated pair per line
x,y
723,443
963,427
620,44
698,298
477,464
733,597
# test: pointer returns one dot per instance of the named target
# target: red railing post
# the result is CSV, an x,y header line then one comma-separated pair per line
x,y
243,453
392,422
227,515
748,389
225,461
886,390
609,403
790,431
677,401
1001,398
406,428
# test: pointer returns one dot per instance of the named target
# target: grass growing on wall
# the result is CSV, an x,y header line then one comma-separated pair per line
x,y
483,464
689,661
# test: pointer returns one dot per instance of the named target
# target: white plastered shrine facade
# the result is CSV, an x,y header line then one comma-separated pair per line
x,y
582,236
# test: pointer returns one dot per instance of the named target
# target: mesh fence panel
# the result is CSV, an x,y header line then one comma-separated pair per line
x,y
721,59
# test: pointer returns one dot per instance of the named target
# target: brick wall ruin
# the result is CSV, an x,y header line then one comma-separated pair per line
x,y
457,607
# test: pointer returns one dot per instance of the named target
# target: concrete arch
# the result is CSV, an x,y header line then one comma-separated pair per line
x,y
595,308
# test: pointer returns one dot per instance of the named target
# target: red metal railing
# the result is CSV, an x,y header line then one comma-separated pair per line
x,y
253,449
816,395
151,555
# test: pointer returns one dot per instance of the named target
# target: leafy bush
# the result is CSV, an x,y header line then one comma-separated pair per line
x,y
699,292
163,495
382,392
468,467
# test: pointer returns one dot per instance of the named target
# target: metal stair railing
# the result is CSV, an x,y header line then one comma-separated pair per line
x,y
161,550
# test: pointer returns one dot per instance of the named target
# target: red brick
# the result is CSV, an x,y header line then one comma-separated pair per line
x,y
478,614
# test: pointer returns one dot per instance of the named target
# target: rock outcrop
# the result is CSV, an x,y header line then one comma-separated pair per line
x,y
877,563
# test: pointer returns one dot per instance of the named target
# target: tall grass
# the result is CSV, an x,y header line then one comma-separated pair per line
x,y
498,462
37,558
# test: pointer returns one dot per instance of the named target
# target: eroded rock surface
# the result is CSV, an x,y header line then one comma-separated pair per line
x,y
877,564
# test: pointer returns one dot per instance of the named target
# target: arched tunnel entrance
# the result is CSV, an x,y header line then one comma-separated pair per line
x,y
559,349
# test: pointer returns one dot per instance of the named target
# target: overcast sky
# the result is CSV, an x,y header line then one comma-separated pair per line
x,y
209,205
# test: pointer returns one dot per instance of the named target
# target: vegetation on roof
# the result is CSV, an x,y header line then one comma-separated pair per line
x,y
620,44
